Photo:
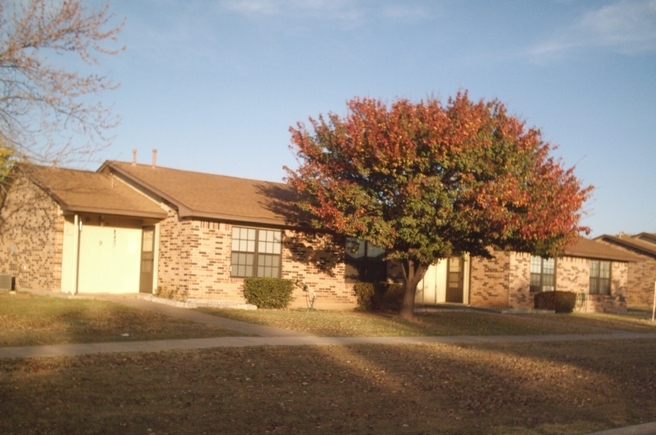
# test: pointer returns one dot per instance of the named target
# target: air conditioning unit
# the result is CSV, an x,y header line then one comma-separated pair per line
x,y
6,282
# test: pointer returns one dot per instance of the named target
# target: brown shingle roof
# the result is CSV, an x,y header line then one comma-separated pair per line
x,y
646,237
210,196
90,192
587,248
632,243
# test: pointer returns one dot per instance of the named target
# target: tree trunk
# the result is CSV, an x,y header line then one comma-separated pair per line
x,y
413,272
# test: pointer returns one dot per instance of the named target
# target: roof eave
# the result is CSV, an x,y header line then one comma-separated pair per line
x,y
115,212
600,257
627,244
185,212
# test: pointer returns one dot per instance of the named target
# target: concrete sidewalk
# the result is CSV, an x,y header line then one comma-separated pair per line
x,y
641,429
290,340
266,336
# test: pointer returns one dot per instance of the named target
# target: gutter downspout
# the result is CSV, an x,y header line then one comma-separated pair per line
x,y
76,243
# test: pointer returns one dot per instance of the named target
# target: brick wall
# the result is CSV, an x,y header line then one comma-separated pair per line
x,y
640,285
317,262
519,291
616,301
573,274
174,256
194,263
640,280
504,281
31,237
490,279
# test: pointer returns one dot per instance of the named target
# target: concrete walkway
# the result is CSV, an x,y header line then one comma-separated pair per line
x,y
268,336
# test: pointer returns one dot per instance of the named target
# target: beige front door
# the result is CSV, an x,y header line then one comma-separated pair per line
x,y
147,259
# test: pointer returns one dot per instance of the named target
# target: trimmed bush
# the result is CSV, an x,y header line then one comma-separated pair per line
x,y
559,301
364,292
389,297
379,296
268,292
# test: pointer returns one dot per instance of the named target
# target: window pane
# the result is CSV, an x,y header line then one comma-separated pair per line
x,y
269,242
268,266
594,285
374,251
604,269
241,264
147,240
246,253
548,266
594,268
543,276
243,239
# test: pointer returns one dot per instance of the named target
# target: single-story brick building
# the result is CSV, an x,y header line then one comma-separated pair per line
x,y
597,273
642,273
130,228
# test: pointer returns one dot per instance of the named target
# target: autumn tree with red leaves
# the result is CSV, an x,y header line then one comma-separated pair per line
x,y
428,181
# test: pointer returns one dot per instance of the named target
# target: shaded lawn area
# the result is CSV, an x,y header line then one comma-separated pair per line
x,y
29,320
558,388
442,323
624,322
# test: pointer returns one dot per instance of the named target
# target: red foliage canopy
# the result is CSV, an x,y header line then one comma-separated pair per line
x,y
427,181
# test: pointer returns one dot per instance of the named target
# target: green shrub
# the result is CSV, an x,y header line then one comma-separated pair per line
x,y
268,292
364,292
559,301
389,297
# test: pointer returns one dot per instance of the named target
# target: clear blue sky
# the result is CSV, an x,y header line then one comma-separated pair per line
x,y
215,84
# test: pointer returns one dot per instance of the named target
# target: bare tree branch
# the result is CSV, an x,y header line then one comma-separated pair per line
x,y
49,112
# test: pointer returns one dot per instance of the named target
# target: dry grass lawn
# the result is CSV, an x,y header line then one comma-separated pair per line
x,y
29,320
559,388
549,388
353,324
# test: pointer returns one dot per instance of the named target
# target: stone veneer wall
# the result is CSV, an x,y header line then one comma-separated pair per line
x,y
31,237
194,263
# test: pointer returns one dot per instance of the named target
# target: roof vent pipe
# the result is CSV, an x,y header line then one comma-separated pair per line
x,y
154,158
134,157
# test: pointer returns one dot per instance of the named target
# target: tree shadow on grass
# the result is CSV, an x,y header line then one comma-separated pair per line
x,y
558,388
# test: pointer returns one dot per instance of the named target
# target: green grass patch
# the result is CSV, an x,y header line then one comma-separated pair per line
x,y
30,320
354,324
